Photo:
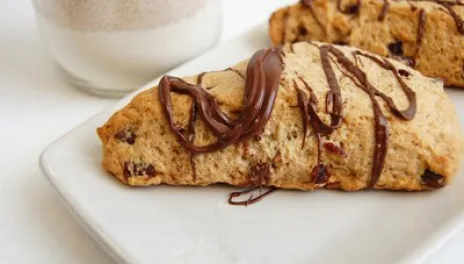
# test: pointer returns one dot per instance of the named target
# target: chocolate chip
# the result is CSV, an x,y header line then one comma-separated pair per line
x,y
295,134
352,9
257,138
126,135
432,180
132,169
404,73
150,170
126,172
396,48
320,174
260,173
335,149
302,31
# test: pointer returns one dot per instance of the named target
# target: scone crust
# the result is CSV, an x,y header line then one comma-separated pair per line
x,y
140,149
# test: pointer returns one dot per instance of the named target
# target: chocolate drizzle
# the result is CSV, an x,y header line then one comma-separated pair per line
x,y
408,113
236,71
260,175
284,31
262,80
309,111
459,22
383,13
307,107
261,84
202,75
360,79
309,4
449,6
191,136
423,18
381,124
251,199
420,34
355,8
446,4
200,78
193,118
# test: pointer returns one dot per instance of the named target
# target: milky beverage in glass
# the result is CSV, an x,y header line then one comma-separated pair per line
x,y
111,47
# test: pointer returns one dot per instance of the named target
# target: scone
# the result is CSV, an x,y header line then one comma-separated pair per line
x,y
427,35
302,116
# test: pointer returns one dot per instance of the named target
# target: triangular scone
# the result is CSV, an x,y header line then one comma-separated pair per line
x,y
426,34
332,92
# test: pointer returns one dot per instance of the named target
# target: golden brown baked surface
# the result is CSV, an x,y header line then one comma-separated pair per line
x,y
436,52
139,147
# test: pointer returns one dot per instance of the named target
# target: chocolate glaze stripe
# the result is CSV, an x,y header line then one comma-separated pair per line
x,y
292,50
455,3
191,137
262,80
381,124
261,84
252,199
260,174
308,108
383,13
420,35
457,20
303,104
408,113
449,6
284,31
309,4
351,9
305,107
202,75
446,4
312,99
200,78
310,115
236,71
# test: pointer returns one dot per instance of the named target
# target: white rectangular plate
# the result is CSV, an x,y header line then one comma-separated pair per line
x,y
196,225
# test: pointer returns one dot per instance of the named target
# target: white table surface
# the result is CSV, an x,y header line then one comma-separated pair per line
x,y
36,107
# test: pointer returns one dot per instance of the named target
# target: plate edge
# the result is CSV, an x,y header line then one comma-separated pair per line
x,y
96,233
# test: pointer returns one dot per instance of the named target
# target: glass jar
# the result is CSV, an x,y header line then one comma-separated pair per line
x,y
111,47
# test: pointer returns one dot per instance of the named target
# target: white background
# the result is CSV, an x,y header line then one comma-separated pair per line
x,y
36,107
